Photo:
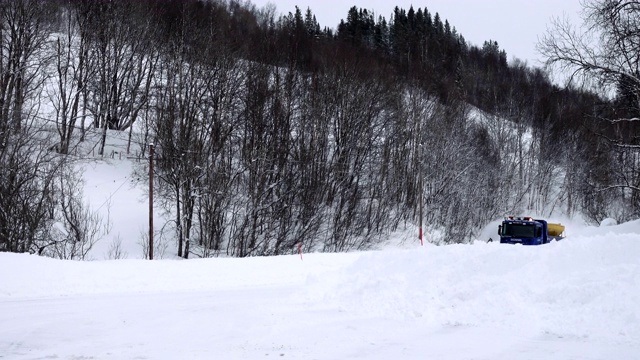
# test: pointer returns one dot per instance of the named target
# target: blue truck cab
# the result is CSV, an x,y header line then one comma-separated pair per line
x,y
528,231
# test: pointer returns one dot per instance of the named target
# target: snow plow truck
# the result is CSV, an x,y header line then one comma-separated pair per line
x,y
528,231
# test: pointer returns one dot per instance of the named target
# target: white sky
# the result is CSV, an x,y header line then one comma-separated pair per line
x,y
514,24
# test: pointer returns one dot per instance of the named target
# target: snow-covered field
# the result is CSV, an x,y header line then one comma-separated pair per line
x,y
574,299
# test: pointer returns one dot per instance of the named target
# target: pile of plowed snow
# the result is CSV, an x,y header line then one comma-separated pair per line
x,y
581,286
586,285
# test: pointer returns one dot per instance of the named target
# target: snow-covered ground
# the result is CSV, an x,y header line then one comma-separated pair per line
x,y
574,299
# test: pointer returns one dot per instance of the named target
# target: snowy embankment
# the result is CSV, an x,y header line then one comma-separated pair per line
x,y
578,298
585,288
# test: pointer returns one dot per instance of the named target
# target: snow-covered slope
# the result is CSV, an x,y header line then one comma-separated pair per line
x,y
574,299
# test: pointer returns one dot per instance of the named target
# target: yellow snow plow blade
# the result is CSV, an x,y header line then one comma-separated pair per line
x,y
555,229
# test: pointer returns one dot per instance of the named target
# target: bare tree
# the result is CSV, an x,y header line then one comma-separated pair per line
x,y
604,54
357,97
75,228
23,33
27,174
601,51
177,129
196,108
121,61
27,169
71,68
116,252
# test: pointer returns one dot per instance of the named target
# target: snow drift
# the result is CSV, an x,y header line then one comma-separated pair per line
x,y
578,298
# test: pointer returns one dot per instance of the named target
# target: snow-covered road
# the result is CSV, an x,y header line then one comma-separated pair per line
x,y
576,299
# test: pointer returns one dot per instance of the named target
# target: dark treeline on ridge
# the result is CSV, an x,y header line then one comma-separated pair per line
x,y
272,130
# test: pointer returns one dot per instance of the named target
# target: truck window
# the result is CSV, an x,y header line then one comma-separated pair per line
x,y
519,231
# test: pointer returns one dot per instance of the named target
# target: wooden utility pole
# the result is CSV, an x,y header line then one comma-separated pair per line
x,y
420,152
150,201
421,205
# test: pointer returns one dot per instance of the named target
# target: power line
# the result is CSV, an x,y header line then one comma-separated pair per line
x,y
113,193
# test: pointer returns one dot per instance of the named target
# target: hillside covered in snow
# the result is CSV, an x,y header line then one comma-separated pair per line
x,y
269,135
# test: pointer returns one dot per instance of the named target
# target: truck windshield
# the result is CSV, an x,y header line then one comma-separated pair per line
x,y
518,230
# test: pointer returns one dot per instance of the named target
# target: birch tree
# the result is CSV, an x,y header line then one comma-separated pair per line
x,y
604,55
